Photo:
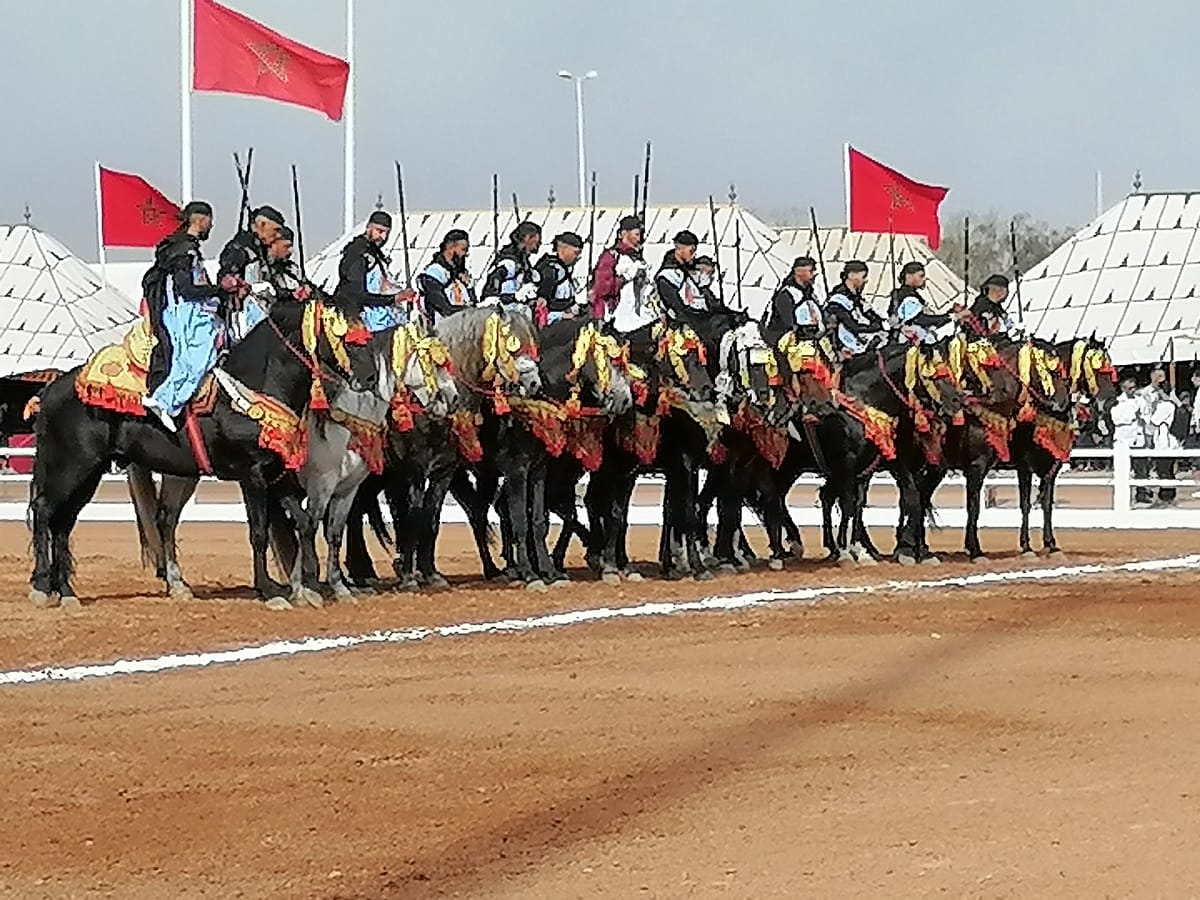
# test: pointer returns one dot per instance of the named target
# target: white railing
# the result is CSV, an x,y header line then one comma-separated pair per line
x,y
1117,483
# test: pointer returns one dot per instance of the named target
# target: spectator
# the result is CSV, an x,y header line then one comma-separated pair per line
x,y
1130,433
1158,414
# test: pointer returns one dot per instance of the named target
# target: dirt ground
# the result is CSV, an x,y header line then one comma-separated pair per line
x,y
1032,739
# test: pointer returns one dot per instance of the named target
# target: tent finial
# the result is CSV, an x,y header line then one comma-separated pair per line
x,y
1137,181
28,215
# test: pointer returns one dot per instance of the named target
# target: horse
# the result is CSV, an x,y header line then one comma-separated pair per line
x,y
253,437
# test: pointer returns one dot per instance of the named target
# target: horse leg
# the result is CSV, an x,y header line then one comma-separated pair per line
x,y
539,523
143,494
1025,492
256,497
335,527
291,525
975,475
516,502
1049,544
912,511
358,558
62,523
691,519
475,502
431,518
173,497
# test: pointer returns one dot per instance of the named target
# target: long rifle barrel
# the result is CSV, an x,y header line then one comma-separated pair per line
x,y
592,228
296,216
403,224
495,214
646,185
516,208
716,240
966,260
816,234
1012,239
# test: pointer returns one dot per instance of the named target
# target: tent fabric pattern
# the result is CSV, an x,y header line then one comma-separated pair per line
x,y
1132,276
943,287
54,310
765,258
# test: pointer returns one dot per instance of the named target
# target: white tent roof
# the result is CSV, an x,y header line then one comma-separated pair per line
x,y
1132,276
54,310
765,260
840,245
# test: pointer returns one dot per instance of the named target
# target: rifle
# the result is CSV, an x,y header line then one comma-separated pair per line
x,y
645,187
636,183
737,243
712,214
495,214
403,225
812,213
244,181
1012,238
516,210
296,216
592,229
966,261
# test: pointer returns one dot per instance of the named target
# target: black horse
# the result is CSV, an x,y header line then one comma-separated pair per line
x,y
77,443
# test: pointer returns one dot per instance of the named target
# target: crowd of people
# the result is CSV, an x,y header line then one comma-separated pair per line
x,y
1155,416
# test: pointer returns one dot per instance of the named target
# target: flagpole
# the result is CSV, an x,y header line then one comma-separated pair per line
x,y
185,100
348,211
846,179
101,256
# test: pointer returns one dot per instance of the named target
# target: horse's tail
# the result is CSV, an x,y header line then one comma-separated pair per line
x,y
144,495
374,513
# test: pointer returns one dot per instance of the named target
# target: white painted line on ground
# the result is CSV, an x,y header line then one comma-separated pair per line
x,y
175,661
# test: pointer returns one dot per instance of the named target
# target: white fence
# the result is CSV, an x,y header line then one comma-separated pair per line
x,y
1101,499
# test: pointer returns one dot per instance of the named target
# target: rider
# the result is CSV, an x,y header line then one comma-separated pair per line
x,y
795,304
910,310
513,282
445,284
987,315
285,285
363,277
684,299
184,310
557,291
245,256
618,265
847,312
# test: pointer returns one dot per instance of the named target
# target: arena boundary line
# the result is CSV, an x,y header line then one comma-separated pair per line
x,y
249,653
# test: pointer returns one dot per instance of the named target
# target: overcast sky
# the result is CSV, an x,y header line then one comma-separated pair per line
x,y
1013,105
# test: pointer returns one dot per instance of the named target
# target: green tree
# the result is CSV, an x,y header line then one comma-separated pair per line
x,y
991,247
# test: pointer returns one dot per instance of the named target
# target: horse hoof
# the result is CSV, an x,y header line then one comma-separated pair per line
x,y
797,550
410,585
42,600
437,582
775,565
866,559
70,603
980,560
611,578
905,560
845,559
307,596
1029,554
181,593
537,586
342,594
560,582
931,561
1053,551
277,604
703,575
635,577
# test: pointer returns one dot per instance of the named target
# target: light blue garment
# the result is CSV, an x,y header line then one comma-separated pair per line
x,y
374,283
807,312
512,280
196,336
243,322
911,307
846,338
381,318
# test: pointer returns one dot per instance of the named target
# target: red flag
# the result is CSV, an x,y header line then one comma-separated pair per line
x,y
133,213
237,55
882,200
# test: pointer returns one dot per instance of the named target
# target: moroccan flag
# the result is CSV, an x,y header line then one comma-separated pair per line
x,y
237,55
882,200
133,213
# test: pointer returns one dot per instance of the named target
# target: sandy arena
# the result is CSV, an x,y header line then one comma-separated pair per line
x,y
1023,739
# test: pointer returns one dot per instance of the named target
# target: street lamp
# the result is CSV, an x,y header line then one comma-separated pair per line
x,y
579,80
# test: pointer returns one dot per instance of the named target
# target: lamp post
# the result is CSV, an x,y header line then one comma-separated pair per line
x,y
579,80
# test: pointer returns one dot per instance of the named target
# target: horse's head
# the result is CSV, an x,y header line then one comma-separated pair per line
x,y
1045,378
813,368
493,351
600,367
340,347
682,362
1090,370
427,373
749,371
929,376
985,374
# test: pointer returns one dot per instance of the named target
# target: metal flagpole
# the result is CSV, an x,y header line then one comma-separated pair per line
x,y
846,170
185,101
348,188
100,230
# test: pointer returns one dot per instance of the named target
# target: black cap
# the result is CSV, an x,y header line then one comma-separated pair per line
x,y
270,213
195,208
286,234
380,217
453,236
911,268
631,223
804,262
995,281
570,238
685,238
854,265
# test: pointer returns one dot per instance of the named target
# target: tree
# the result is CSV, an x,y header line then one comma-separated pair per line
x,y
991,247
